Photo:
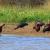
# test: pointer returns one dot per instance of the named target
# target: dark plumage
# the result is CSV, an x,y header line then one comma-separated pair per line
x,y
37,26
21,25
46,28
1,28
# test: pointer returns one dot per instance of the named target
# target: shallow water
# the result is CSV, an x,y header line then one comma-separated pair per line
x,y
24,43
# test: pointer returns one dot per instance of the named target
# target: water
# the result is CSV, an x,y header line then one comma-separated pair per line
x,y
24,43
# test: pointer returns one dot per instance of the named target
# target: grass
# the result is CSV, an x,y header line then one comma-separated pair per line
x,y
13,14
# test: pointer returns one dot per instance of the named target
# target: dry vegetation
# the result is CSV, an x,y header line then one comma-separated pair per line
x,y
23,2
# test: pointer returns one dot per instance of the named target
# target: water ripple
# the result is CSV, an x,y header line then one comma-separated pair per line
x,y
24,43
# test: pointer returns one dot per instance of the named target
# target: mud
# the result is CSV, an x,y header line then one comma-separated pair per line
x,y
26,31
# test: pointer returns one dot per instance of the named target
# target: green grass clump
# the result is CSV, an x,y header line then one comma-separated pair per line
x,y
10,14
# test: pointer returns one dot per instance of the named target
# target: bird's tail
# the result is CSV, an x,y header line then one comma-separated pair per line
x,y
16,28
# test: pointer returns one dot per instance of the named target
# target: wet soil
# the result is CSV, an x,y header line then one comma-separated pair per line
x,y
26,31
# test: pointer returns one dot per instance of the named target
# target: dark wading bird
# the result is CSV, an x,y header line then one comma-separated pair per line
x,y
37,26
1,28
21,25
46,28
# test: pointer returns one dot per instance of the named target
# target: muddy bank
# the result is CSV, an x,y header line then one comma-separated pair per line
x,y
26,31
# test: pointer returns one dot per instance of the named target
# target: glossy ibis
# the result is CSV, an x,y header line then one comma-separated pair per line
x,y
21,25
46,27
1,27
37,26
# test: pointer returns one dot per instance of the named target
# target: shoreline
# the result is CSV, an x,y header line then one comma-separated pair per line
x,y
26,31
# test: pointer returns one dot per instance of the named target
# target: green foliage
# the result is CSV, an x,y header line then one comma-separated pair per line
x,y
16,15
